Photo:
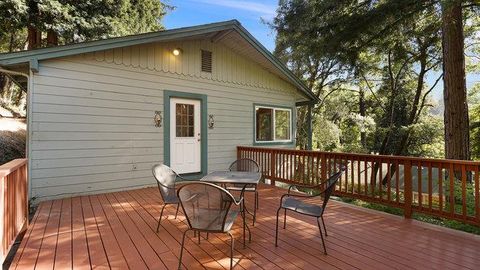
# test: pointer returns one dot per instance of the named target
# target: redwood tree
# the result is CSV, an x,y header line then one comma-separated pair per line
x,y
457,135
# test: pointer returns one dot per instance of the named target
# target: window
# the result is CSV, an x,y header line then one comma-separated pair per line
x,y
273,124
184,122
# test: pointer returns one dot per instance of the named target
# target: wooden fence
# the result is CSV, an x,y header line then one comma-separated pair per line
x,y
438,187
13,203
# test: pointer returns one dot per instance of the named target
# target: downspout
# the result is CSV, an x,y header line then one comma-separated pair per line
x,y
14,73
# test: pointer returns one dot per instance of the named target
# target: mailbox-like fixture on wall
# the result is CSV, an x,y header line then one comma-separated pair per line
x,y
211,121
157,119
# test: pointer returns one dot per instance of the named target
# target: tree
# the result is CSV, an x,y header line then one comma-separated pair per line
x,y
457,133
322,74
39,23
342,30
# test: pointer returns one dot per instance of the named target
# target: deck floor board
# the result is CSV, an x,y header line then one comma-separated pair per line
x,y
118,230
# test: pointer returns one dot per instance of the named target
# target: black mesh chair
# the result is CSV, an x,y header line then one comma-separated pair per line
x,y
296,203
207,208
166,180
245,165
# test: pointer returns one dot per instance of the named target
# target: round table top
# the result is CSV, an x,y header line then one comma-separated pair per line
x,y
231,177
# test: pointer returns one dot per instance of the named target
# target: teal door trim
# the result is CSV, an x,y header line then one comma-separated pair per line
x,y
167,95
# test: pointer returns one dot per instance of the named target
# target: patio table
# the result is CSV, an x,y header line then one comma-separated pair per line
x,y
237,178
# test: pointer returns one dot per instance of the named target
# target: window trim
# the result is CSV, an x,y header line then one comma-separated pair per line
x,y
274,107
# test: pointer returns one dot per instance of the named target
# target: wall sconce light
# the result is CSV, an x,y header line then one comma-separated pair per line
x,y
211,122
176,51
157,119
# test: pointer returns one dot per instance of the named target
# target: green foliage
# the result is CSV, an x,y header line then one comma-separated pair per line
x,y
57,22
74,21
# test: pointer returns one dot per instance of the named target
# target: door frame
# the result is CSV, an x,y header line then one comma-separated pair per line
x,y
167,95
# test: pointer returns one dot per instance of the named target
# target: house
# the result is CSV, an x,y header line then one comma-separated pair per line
x,y
101,113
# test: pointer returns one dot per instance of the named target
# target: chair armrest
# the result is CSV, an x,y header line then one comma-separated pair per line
x,y
301,185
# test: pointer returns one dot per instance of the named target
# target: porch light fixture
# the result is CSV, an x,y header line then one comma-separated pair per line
x,y
157,119
211,121
177,51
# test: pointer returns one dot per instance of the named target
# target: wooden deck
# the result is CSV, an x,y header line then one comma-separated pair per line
x,y
117,230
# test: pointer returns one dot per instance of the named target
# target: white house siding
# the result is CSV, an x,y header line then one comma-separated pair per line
x,y
92,115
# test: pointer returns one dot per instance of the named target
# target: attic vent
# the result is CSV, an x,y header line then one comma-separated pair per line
x,y
206,61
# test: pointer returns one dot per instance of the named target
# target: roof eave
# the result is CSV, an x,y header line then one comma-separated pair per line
x,y
73,49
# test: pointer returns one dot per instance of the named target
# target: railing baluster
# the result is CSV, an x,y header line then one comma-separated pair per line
x,y
365,165
430,189
407,189
419,183
440,187
464,192
452,189
380,179
359,175
389,185
477,195
397,182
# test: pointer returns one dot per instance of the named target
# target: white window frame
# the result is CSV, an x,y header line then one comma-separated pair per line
x,y
274,109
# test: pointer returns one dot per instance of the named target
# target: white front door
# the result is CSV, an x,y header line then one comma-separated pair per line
x,y
185,154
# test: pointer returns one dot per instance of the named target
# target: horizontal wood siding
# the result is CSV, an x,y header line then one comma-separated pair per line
x,y
92,115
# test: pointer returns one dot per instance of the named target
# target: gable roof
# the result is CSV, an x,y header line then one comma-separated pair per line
x,y
215,31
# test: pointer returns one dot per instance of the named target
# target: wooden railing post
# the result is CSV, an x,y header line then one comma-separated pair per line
x,y
273,167
239,153
407,189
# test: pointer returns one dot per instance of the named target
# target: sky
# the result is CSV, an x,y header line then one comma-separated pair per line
x,y
252,15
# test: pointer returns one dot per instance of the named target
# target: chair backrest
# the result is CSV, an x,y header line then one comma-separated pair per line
x,y
331,182
244,165
206,206
166,178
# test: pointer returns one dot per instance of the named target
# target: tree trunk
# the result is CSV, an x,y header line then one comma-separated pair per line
x,y
457,137
52,38
34,35
363,113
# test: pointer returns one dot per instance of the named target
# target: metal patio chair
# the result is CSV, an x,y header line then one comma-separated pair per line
x,y
207,208
245,165
295,202
166,181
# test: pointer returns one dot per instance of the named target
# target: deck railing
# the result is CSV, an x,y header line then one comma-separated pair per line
x,y
13,203
437,187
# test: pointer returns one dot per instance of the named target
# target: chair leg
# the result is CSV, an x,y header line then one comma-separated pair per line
x,y
160,218
255,212
256,199
244,224
176,213
321,235
199,238
285,219
276,228
181,249
324,227
232,243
